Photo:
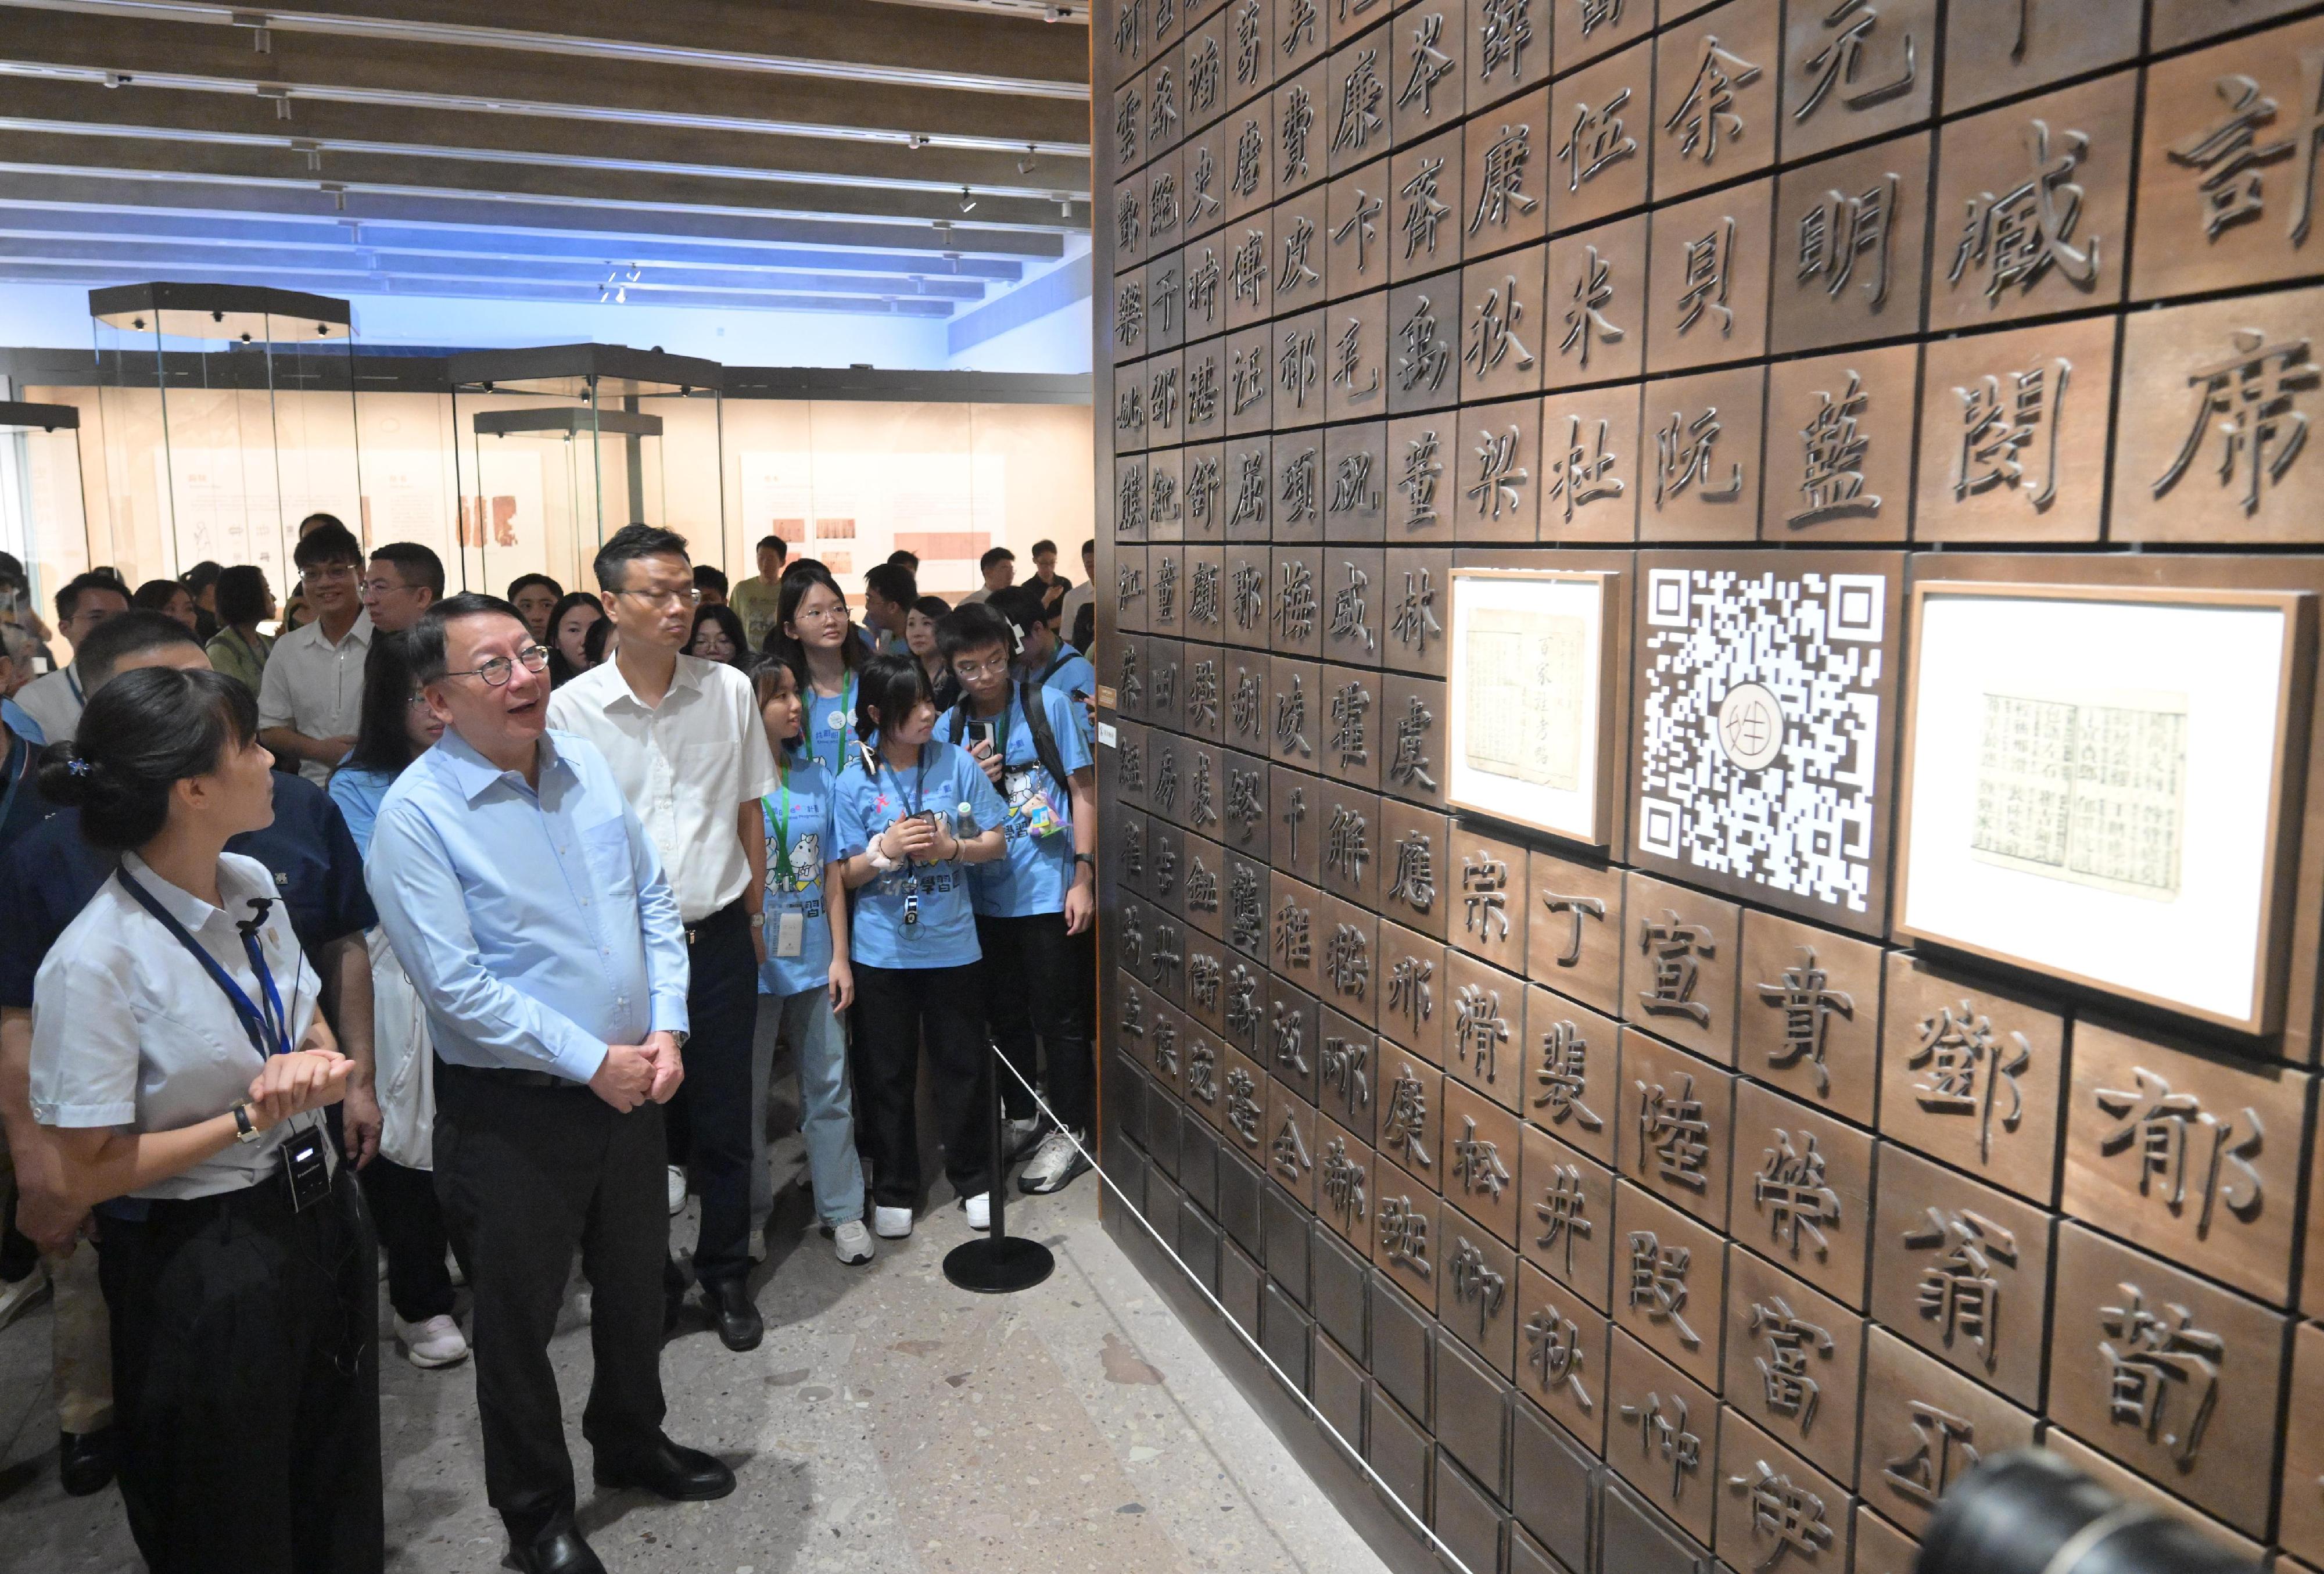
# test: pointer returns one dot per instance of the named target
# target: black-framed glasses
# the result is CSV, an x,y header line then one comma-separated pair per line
x,y
500,668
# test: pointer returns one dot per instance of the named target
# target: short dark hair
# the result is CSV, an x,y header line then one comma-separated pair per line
x,y
139,738
730,625
516,586
69,598
894,582
973,628
156,594
201,576
418,564
798,566
594,638
1089,546
127,634
321,520
1044,546
325,544
797,581
904,559
933,606
1024,605
997,555
892,686
383,743
783,549
426,639
241,594
629,544
708,576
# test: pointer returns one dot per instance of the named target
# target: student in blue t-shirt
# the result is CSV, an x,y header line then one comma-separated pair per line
x,y
911,814
1043,658
1034,909
815,634
806,969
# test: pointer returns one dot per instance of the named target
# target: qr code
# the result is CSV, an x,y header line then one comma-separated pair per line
x,y
1760,727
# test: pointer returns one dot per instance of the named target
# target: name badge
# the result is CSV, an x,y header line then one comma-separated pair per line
x,y
791,934
836,720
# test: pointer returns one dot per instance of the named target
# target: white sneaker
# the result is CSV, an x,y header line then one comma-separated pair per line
x,y
1018,1137
17,1299
980,1210
1053,1166
434,1342
853,1243
889,1223
677,1190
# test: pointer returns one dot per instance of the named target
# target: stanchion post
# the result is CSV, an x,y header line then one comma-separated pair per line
x,y
998,1263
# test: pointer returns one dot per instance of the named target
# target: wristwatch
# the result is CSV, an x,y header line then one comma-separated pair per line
x,y
244,1131
1088,859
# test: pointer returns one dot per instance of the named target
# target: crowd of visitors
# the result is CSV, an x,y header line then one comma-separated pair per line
x,y
454,939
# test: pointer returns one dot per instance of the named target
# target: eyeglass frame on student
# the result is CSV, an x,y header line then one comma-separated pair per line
x,y
968,671
507,666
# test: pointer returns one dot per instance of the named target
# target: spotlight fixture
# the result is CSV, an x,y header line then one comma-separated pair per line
x,y
1056,13
1025,165
918,139
967,202
1064,208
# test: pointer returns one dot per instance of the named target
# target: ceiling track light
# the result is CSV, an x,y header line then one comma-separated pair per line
x,y
918,139
967,201
1064,208
1032,156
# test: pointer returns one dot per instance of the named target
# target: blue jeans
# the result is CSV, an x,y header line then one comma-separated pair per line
x,y
826,1113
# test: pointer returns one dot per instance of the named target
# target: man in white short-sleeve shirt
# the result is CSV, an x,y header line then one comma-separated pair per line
x,y
687,744
310,701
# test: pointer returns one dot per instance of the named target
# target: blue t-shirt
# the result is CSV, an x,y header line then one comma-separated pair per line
x,y
830,727
1068,672
798,820
945,935
1039,869
357,791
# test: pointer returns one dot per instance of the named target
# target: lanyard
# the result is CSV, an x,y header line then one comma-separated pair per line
x,y
1063,655
268,1032
919,781
845,712
23,748
73,682
781,819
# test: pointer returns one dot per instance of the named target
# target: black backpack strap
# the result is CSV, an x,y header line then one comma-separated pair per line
x,y
1045,742
1056,661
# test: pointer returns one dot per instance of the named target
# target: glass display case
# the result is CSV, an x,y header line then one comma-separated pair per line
x,y
559,448
44,502
229,416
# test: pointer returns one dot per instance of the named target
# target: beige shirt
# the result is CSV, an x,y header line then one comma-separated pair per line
x,y
316,687
687,765
54,700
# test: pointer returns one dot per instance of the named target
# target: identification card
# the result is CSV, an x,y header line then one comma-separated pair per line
x,y
791,934
306,1168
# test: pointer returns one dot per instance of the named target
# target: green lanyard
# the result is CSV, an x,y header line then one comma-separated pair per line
x,y
846,713
782,819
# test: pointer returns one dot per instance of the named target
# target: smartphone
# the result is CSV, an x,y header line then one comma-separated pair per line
x,y
986,732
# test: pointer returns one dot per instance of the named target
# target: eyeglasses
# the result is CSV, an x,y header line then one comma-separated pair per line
x,y
381,586
818,613
663,598
419,696
499,669
327,573
972,670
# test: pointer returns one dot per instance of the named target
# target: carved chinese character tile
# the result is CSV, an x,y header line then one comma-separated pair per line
x,y
1295,485
1359,230
2179,21
1413,604
1880,1547
1478,1300
1405,1245
1715,80
1430,57
1581,31
1484,1032
1349,848
1424,221
1774,1505
1995,49
1203,70
1243,1096
1701,453
1203,879
1299,240
1802,1191
1497,470
1249,48
1356,491
1125,128
1245,400
1925,1426
1662,1433
1600,138
1809,1016
2210,454
1204,296
1408,1131
1972,1076
1412,712
2014,434
1355,610
1416,873
1303,117
1679,965
1204,166
1299,368
1963,1271
1794,1358
1850,234
1131,240
2032,205
1670,1277
1165,404
1291,1144
1303,32
1501,325
1506,172
1165,294
2175,1378
1636,1537
1674,1125
1343,1181
1489,887
2193,1157
1482,1161
1413,983
1294,801
1423,358
1563,1349
1509,45
1247,160
1202,396
1589,463
2135,1489
1575,938
1350,936
1594,305
1356,376
1574,1089
1166,515
1291,941
1707,284
1565,1220
1360,90
1124,51
1740,735
1839,447
1856,69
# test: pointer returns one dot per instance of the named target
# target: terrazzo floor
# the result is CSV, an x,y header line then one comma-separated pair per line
x,y
888,1422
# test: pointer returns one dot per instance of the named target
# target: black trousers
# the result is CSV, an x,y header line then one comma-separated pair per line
x,y
895,1008
1038,980
245,1383
721,1008
527,1176
411,1225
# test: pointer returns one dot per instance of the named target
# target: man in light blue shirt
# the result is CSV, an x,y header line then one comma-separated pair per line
x,y
528,906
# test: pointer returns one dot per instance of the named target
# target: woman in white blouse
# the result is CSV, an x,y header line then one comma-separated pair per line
x,y
179,1056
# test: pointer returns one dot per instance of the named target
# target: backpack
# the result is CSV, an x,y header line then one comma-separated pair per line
x,y
1037,721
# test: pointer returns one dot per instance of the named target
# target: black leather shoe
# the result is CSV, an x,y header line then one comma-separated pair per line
x,y
740,1326
681,1475
84,1460
559,1551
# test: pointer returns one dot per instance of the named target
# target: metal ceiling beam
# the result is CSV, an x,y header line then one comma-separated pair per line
x,y
520,81
49,104
994,52
594,190
164,260
357,286
81,223
49,188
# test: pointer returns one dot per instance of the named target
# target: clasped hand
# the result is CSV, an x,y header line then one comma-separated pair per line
x,y
632,1074
292,1084
912,837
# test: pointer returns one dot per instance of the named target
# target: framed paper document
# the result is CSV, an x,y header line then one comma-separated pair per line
x,y
1530,736
2095,786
